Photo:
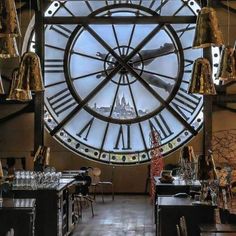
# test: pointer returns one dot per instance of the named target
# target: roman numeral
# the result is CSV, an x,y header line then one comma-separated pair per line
x,y
185,103
86,129
160,125
62,30
54,66
123,138
188,65
61,101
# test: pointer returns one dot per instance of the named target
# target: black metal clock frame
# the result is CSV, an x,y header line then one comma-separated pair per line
x,y
41,20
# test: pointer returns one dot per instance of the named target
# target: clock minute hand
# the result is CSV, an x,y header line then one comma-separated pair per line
x,y
149,55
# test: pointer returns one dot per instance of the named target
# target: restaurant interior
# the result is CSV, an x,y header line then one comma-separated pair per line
x,y
117,117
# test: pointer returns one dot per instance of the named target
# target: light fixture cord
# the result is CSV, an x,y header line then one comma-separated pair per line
x,y
228,19
20,40
20,46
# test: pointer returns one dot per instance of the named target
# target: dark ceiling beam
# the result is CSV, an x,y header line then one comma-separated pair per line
x,y
121,20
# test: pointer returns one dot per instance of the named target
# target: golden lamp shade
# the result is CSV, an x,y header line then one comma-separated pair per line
x,y
207,31
30,72
201,79
22,95
227,64
187,154
8,47
9,24
1,86
41,158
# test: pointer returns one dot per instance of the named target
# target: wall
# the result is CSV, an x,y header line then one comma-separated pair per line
x,y
16,135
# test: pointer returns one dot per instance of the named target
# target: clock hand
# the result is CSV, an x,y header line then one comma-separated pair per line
x,y
155,81
149,55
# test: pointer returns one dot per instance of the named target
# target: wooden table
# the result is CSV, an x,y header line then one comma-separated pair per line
x,y
170,209
17,214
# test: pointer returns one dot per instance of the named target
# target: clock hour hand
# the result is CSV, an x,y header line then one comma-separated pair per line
x,y
157,82
149,55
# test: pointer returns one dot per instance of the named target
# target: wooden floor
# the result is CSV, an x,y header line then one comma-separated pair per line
x,y
127,215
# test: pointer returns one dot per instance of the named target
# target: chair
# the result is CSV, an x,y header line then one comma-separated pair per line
x,y
224,178
178,230
81,194
10,232
95,174
183,226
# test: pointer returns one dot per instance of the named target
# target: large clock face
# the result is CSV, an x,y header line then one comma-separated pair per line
x,y
108,85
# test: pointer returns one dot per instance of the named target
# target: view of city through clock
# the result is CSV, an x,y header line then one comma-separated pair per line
x,y
109,84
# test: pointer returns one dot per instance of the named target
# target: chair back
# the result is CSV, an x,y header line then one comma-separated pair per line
x,y
178,230
83,189
183,226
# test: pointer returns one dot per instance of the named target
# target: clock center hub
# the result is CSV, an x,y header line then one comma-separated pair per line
x,y
135,63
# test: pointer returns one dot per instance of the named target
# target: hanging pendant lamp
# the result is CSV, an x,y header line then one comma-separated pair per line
x,y
227,64
30,72
201,79
9,24
207,31
22,95
8,47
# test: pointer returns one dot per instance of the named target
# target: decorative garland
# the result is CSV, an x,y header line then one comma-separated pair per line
x,y
157,163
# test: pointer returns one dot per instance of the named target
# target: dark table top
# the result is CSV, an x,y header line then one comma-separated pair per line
x,y
218,234
17,203
176,201
177,182
223,228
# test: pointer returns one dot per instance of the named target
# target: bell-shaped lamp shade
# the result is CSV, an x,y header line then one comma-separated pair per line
x,y
22,95
227,64
30,72
201,79
8,47
9,24
1,86
207,31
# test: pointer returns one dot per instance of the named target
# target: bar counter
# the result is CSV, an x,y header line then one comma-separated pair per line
x,y
17,215
54,207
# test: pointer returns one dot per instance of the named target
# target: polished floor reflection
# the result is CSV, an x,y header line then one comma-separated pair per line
x,y
127,215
